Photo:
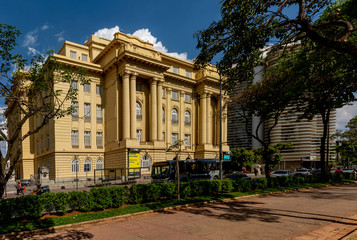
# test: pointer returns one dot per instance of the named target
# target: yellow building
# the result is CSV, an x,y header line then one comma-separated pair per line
x,y
138,100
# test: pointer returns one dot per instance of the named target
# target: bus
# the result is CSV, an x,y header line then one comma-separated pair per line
x,y
190,169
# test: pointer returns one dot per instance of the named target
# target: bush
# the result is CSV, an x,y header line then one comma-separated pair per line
x,y
227,186
259,183
101,197
243,185
136,194
119,195
7,209
81,201
152,192
48,201
29,206
169,190
185,190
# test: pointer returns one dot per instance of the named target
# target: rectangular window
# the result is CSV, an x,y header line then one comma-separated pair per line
x,y
74,138
99,90
84,58
87,111
86,87
87,138
187,140
74,84
174,137
75,111
138,87
99,113
175,70
187,97
163,92
188,74
42,145
38,147
99,139
163,136
174,95
73,54
139,134
48,141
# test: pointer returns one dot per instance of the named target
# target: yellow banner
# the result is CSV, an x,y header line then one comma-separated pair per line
x,y
134,160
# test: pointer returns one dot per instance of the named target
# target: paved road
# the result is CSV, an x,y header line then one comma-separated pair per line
x,y
327,213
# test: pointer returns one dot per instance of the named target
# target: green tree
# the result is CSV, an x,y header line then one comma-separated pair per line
x,y
248,26
244,157
39,91
267,100
273,152
348,139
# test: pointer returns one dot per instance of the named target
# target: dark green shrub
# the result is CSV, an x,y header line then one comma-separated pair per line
x,y
137,193
7,210
81,201
227,186
243,185
259,183
48,201
185,190
119,195
29,206
169,190
216,186
152,192
61,202
101,197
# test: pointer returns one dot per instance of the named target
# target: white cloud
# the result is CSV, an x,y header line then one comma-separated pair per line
x,y
60,36
30,38
107,33
344,115
33,51
144,34
44,27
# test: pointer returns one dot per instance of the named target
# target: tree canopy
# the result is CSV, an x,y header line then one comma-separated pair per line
x,y
39,88
247,27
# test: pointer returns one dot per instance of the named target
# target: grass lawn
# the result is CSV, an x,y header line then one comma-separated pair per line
x,y
83,217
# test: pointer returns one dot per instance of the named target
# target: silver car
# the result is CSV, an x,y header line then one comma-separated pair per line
x,y
302,172
282,173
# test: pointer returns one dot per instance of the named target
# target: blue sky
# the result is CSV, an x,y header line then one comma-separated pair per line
x,y
168,24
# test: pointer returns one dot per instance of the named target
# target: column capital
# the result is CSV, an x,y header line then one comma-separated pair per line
x,y
160,81
134,74
154,80
168,90
125,73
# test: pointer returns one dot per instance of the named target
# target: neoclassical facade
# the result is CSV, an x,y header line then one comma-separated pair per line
x,y
138,100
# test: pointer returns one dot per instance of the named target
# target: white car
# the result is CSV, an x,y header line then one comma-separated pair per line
x,y
282,173
302,172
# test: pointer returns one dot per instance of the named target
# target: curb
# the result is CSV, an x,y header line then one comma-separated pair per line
x,y
176,208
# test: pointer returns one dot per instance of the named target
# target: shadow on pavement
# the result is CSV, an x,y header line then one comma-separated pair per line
x,y
69,235
243,211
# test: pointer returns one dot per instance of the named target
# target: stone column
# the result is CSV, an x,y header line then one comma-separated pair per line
x,y
126,105
224,119
168,116
159,110
209,119
133,106
153,91
203,120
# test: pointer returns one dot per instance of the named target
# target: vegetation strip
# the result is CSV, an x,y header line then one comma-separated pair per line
x,y
14,228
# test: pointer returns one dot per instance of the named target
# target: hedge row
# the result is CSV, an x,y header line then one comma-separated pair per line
x,y
99,198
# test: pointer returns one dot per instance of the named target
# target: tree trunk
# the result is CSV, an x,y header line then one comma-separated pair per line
x,y
2,189
325,121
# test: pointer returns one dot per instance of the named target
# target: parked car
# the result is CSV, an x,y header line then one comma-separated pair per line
x,y
282,173
347,170
316,171
236,176
25,182
302,172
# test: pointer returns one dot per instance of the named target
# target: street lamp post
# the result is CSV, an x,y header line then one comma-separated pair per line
x,y
77,166
178,153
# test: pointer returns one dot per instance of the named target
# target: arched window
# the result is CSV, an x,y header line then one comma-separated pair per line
x,y
139,114
87,165
163,115
146,162
75,165
174,116
187,118
99,164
